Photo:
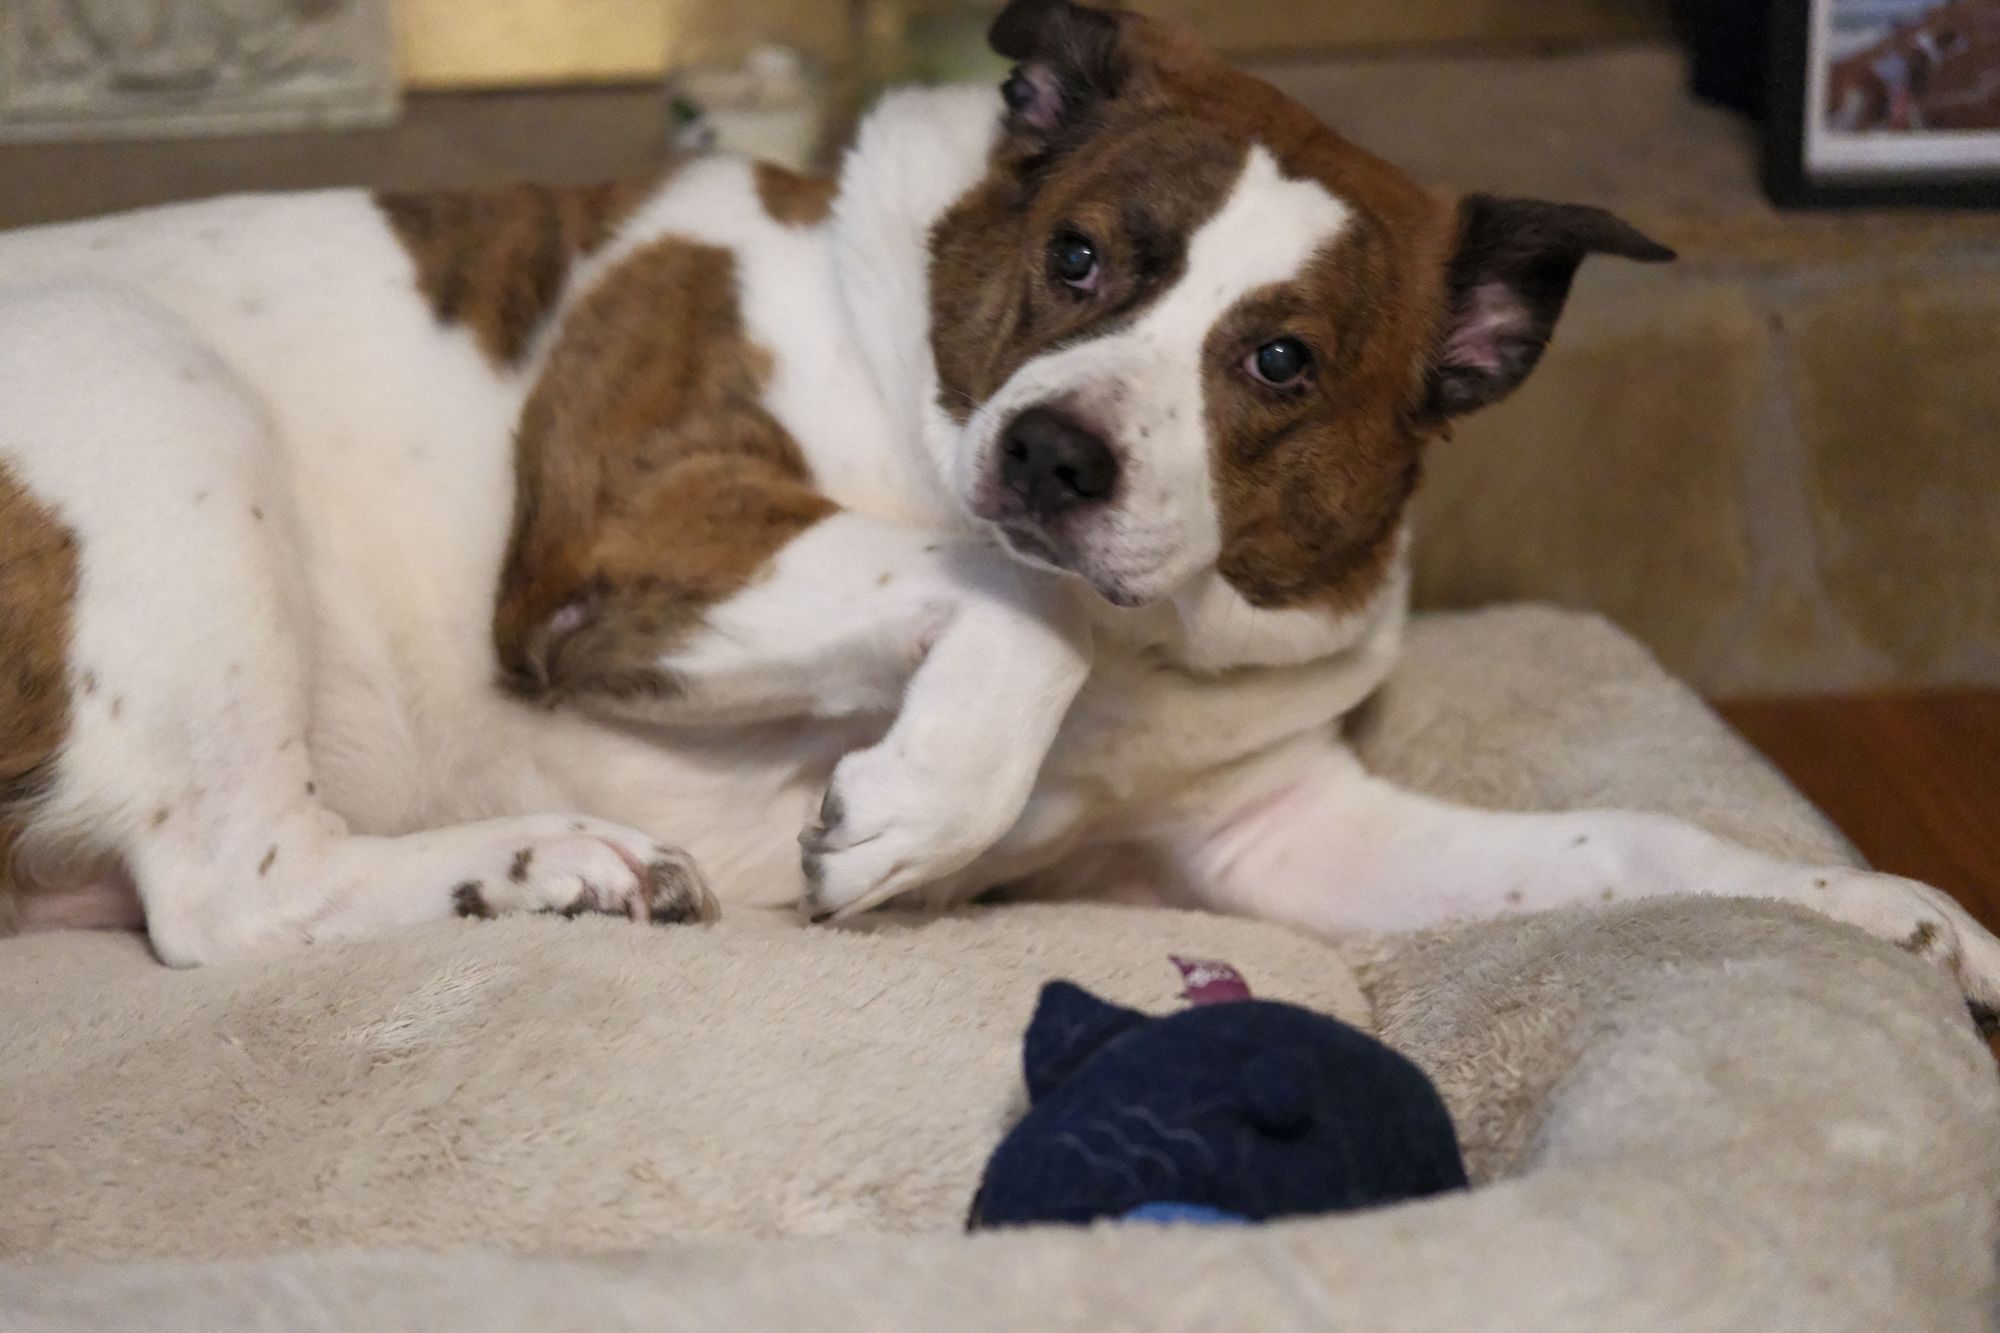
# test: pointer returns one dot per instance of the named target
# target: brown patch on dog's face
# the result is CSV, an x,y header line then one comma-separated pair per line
x,y
38,583
1312,483
650,483
1140,193
793,199
1400,313
1312,480
496,260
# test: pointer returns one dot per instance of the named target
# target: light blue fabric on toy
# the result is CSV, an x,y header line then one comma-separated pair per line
x,y
1183,1214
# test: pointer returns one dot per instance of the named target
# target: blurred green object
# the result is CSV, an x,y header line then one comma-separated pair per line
x,y
925,42
771,102
778,95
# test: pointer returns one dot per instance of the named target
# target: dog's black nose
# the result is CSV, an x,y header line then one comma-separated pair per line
x,y
1055,465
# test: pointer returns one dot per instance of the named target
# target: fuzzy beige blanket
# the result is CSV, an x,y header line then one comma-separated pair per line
x,y
1685,1114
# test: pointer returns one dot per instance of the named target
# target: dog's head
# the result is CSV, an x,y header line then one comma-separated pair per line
x,y
1181,326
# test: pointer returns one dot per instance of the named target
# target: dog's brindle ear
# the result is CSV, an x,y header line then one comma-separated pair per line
x,y
1516,261
1068,63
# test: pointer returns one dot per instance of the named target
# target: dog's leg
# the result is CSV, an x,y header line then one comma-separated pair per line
x,y
955,770
976,659
980,660
1142,740
834,626
1310,838
186,758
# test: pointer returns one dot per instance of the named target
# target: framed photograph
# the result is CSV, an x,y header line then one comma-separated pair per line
x,y
1885,102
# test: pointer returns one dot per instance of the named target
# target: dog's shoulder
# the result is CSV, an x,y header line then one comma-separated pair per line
x,y
498,261
649,326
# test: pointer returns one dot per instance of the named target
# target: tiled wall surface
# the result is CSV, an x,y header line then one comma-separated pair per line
x,y
1777,461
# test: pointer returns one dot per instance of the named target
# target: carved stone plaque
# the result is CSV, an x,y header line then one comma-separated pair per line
x,y
85,69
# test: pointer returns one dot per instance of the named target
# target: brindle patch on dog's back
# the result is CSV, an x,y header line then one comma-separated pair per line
x,y
650,482
38,583
496,260
793,199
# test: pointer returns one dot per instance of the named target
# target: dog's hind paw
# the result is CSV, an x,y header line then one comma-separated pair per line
x,y
572,867
1925,922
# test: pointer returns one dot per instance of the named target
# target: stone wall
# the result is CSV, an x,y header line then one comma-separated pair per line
x,y
1777,461
1782,481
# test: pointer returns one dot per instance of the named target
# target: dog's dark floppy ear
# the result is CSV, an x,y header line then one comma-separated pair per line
x,y
1068,63
1516,261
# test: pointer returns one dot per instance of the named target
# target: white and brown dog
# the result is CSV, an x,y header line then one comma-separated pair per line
x,y
1025,506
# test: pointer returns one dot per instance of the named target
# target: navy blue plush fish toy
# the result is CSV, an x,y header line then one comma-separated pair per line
x,y
1227,1112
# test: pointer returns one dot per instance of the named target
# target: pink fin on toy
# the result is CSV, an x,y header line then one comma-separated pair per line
x,y
1211,983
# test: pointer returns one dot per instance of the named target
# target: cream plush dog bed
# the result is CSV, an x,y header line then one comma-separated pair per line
x,y
1685,1114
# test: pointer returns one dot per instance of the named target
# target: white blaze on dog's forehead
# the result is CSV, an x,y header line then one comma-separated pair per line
x,y
1266,232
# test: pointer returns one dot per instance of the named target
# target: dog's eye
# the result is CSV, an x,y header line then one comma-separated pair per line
x,y
1073,261
1280,363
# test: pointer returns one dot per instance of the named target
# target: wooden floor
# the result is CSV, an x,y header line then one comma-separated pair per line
x,y
1914,780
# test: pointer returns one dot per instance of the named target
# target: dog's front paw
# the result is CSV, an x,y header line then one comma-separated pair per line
x,y
886,827
1925,921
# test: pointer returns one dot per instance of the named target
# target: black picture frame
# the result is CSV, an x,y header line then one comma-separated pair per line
x,y
1789,177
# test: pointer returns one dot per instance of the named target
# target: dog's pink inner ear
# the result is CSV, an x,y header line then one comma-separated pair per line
x,y
1492,317
568,620
1506,288
1067,60
1035,98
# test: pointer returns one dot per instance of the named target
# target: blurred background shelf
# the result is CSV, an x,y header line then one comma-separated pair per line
x,y
511,43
